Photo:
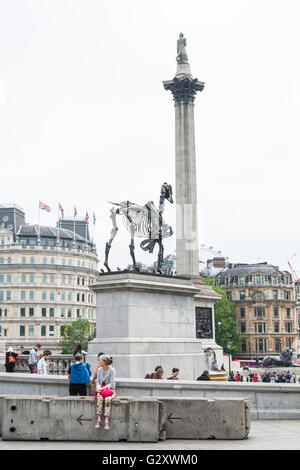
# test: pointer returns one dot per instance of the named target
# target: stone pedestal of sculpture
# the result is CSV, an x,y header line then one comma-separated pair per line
x,y
146,320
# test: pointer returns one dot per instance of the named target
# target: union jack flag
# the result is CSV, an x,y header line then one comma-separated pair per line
x,y
75,211
44,207
86,218
94,218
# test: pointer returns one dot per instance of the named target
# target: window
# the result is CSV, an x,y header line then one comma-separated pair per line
x,y
69,295
62,312
78,313
63,295
22,311
9,260
22,330
52,260
275,311
78,297
31,278
31,330
43,330
82,313
31,311
288,327
8,279
276,327
51,330
78,281
1,295
44,312
44,260
44,295
243,327
259,311
63,279
51,295
69,312
51,312
51,279
31,259
242,281
1,260
286,295
69,280
82,297
258,296
242,295
288,312
63,261
260,345
1,278
82,281
23,278
8,295
44,279
277,345
275,294
23,260
31,294
258,279
23,295
274,279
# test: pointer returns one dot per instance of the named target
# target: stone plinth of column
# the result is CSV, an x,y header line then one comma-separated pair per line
x,y
184,88
145,320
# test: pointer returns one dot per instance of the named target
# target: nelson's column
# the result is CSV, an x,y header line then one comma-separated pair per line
x,y
184,88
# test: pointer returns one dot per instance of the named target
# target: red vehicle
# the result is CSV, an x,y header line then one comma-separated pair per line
x,y
248,363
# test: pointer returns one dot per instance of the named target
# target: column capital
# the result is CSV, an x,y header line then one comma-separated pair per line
x,y
184,89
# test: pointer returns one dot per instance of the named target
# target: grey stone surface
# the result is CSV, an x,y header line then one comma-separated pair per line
x,y
264,435
143,321
203,418
73,419
132,419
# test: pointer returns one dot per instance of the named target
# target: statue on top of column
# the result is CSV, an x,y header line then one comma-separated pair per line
x,y
182,57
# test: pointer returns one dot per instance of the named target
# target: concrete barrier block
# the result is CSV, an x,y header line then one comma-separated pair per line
x,y
73,419
202,418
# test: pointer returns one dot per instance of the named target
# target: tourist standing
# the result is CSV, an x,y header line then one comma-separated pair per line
x,y
79,377
10,359
33,358
105,389
42,365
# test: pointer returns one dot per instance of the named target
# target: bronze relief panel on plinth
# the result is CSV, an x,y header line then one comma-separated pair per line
x,y
204,326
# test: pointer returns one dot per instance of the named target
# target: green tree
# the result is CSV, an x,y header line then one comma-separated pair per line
x,y
78,332
225,313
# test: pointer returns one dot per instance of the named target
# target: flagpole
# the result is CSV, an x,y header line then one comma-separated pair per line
x,y
39,220
74,222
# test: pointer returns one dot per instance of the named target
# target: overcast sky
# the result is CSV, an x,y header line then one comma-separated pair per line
x,y
84,117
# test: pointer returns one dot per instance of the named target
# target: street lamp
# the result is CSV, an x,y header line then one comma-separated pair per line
x,y
219,332
229,347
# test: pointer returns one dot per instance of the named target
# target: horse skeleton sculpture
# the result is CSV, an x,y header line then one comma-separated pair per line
x,y
144,222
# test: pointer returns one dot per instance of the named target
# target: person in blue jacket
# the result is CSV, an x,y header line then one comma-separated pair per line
x,y
79,376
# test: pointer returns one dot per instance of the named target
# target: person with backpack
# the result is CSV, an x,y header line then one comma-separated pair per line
x,y
10,359
79,376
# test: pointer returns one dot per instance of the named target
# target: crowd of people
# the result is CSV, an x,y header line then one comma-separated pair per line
x,y
266,377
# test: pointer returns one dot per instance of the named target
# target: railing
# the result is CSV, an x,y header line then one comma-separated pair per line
x,y
59,364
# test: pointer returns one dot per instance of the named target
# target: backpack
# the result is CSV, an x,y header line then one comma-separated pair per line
x,y
11,359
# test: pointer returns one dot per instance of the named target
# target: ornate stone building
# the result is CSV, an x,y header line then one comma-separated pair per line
x,y
46,274
265,307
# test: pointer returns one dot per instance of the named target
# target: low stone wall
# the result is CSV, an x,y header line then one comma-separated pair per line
x,y
267,400
73,418
132,419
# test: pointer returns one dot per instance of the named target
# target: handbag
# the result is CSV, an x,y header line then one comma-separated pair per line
x,y
106,392
11,359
